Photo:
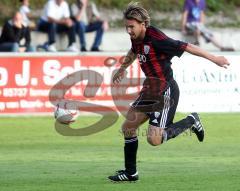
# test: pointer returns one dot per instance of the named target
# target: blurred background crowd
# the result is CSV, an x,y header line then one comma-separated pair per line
x,y
58,19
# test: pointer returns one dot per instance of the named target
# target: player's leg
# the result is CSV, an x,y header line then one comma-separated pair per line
x,y
197,127
129,128
159,134
161,126
154,136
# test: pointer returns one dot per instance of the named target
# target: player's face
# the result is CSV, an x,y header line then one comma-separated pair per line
x,y
135,29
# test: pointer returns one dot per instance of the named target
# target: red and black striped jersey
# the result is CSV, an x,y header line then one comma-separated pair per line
x,y
155,53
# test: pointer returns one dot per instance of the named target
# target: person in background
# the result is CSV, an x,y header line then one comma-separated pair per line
x,y
13,33
26,13
56,19
87,19
193,23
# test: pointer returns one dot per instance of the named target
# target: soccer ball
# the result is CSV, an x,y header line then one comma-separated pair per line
x,y
64,114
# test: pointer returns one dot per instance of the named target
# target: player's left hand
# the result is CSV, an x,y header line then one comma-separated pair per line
x,y
222,61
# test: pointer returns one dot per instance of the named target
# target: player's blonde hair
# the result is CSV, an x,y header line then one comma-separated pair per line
x,y
135,11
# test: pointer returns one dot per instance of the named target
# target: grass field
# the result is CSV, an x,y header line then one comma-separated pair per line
x,y
34,157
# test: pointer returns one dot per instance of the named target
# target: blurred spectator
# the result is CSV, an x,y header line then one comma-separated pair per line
x,y
12,33
87,19
56,19
26,13
193,23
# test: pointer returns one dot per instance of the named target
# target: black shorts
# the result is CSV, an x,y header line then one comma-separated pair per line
x,y
161,107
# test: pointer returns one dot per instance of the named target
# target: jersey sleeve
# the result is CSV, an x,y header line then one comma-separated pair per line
x,y
170,47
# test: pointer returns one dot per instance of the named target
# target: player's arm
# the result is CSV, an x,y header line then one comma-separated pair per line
x,y
128,60
218,60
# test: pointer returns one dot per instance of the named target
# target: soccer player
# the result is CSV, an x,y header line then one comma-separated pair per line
x,y
154,51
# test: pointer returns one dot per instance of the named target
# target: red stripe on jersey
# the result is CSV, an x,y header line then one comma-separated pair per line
x,y
156,64
146,70
157,35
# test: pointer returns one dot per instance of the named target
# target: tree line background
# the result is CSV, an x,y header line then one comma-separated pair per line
x,y
7,7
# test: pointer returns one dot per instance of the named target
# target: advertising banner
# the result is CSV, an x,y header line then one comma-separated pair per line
x,y
206,87
26,83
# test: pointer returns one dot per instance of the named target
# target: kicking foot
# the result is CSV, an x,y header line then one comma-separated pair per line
x,y
197,127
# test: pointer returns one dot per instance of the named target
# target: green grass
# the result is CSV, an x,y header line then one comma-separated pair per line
x,y
34,157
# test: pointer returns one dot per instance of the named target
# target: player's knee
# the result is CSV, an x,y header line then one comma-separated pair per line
x,y
128,131
154,141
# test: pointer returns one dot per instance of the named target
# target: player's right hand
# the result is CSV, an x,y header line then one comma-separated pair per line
x,y
118,76
221,61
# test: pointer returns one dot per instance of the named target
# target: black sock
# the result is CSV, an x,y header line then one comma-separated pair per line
x,y
130,154
177,128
